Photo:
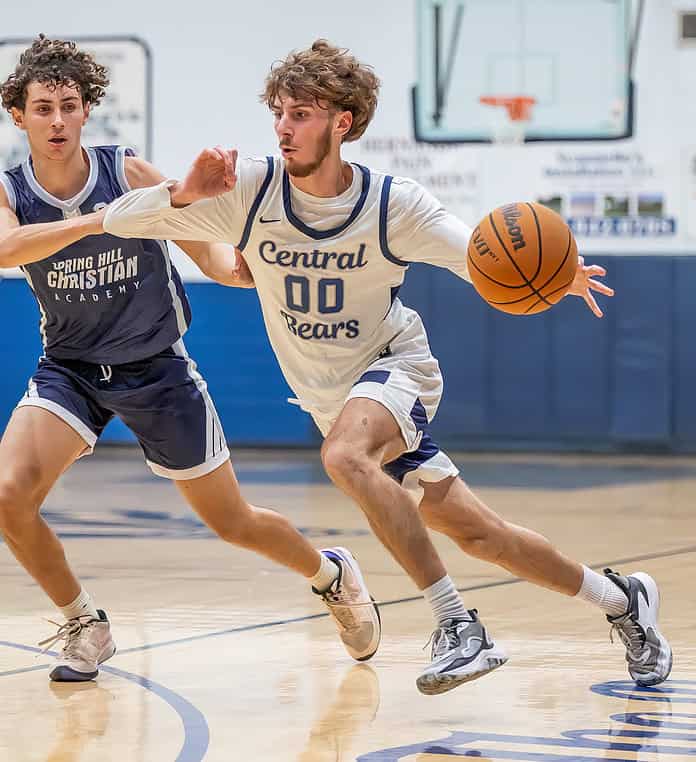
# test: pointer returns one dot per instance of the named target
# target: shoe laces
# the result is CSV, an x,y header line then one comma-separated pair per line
x,y
69,631
631,635
445,638
338,600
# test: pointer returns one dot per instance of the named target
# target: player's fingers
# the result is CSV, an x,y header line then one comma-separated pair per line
x,y
594,270
581,260
601,287
592,304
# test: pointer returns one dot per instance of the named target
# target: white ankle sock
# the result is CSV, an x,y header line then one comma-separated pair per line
x,y
600,590
445,601
327,574
81,606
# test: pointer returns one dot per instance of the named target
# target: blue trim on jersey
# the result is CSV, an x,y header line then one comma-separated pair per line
x,y
102,299
427,449
9,190
319,235
376,376
121,153
66,205
255,206
383,210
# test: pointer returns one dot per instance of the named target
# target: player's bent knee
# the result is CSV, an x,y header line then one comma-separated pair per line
x,y
19,505
343,462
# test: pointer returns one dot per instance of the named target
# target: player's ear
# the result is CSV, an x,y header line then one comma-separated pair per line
x,y
17,117
343,121
85,114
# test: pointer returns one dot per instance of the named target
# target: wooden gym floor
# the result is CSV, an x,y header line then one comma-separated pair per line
x,y
223,656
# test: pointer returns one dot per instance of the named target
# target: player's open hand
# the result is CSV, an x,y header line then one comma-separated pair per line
x,y
584,284
213,172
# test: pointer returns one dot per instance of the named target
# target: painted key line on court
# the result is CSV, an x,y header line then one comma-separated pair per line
x,y
310,617
196,731
642,732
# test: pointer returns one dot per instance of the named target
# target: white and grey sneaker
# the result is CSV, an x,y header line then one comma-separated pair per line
x,y
648,652
351,606
461,651
88,643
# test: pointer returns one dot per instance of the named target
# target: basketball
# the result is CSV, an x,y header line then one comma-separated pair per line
x,y
522,258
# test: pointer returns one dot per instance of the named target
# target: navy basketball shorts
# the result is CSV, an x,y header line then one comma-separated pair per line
x,y
163,400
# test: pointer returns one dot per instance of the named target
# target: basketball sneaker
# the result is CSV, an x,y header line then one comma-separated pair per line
x,y
352,608
648,653
461,651
88,643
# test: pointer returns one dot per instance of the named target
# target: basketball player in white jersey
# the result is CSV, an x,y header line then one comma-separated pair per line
x,y
328,243
113,346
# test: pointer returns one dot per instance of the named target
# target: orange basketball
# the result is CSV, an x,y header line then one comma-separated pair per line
x,y
522,258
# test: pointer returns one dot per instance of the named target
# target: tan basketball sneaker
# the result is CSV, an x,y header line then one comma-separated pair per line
x,y
88,643
351,606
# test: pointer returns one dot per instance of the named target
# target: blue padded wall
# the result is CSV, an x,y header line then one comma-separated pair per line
x,y
563,379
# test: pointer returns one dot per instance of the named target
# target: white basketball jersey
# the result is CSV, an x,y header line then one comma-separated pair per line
x,y
327,271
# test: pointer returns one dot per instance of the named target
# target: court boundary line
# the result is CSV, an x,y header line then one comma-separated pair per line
x,y
309,617
195,726
409,599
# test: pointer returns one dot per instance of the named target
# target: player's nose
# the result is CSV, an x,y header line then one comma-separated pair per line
x,y
282,126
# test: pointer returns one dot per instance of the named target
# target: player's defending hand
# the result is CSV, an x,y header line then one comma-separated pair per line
x,y
212,173
584,283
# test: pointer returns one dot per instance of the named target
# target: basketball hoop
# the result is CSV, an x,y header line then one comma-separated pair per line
x,y
509,127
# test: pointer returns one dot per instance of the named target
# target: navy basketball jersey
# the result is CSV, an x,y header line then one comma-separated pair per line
x,y
103,299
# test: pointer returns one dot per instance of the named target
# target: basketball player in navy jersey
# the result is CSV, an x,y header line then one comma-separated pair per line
x,y
327,243
113,314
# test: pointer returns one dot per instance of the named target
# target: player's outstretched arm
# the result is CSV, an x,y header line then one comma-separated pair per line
x,y
212,173
211,212
216,260
584,284
21,245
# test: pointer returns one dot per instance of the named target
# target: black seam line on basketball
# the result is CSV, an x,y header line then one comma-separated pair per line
x,y
531,296
538,228
514,264
558,269
543,285
493,280
471,588
551,293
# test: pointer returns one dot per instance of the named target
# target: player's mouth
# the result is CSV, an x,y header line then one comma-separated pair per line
x,y
287,150
58,141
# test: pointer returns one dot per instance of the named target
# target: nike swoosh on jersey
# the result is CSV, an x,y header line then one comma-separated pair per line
x,y
261,220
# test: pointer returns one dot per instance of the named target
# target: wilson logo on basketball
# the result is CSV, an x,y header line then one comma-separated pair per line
x,y
511,215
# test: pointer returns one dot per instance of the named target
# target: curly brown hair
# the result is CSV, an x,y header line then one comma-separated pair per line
x,y
329,74
54,63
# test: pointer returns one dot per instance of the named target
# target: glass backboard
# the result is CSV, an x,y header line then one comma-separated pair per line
x,y
574,57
